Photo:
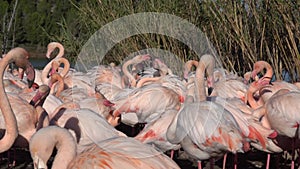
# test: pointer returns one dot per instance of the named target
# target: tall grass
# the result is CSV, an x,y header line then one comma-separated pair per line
x,y
242,31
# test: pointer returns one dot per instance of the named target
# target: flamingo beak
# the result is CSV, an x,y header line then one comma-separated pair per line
x,y
253,74
30,73
40,95
210,90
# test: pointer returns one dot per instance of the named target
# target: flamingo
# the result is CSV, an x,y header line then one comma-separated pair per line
x,y
109,82
280,112
148,102
52,46
137,59
10,121
205,129
277,85
82,123
154,133
42,78
57,62
112,153
18,117
162,67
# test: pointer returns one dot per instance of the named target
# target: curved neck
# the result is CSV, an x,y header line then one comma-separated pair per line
x,y
128,74
207,64
61,50
66,149
60,84
249,96
46,139
260,66
147,79
188,67
163,68
45,72
11,132
56,63
51,48
47,68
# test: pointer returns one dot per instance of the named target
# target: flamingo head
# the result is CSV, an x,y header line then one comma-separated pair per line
x,y
50,48
21,60
254,74
54,78
49,51
30,73
107,103
41,94
185,75
210,82
140,58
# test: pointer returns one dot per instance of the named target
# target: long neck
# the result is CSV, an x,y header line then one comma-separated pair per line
x,y
269,70
128,74
45,72
11,132
207,64
47,68
43,142
60,84
66,67
66,150
147,79
51,48
249,96
61,50
188,67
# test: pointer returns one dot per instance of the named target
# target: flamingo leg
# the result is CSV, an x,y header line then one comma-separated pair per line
x,y
268,161
224,160
199,165
172,154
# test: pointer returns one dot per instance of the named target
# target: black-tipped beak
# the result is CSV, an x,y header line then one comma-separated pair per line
x,y
30,73
210,90
30,83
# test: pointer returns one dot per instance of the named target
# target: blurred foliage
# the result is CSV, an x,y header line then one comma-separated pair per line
x,y
242,31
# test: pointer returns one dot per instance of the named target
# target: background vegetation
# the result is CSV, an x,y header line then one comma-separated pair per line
x,y
242,31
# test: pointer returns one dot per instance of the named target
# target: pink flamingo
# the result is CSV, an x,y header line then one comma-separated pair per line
x,y
82,123
212,131
137,59
45,72
277,85
148,102
24,119
113,153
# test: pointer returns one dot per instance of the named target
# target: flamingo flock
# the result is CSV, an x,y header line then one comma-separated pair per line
x,y
206,114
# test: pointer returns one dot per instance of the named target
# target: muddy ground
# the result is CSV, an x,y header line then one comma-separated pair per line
x,y
19,158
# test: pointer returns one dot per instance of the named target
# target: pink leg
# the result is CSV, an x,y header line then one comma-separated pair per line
x,y
199,165
268,161
172,154
224,160
293,164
